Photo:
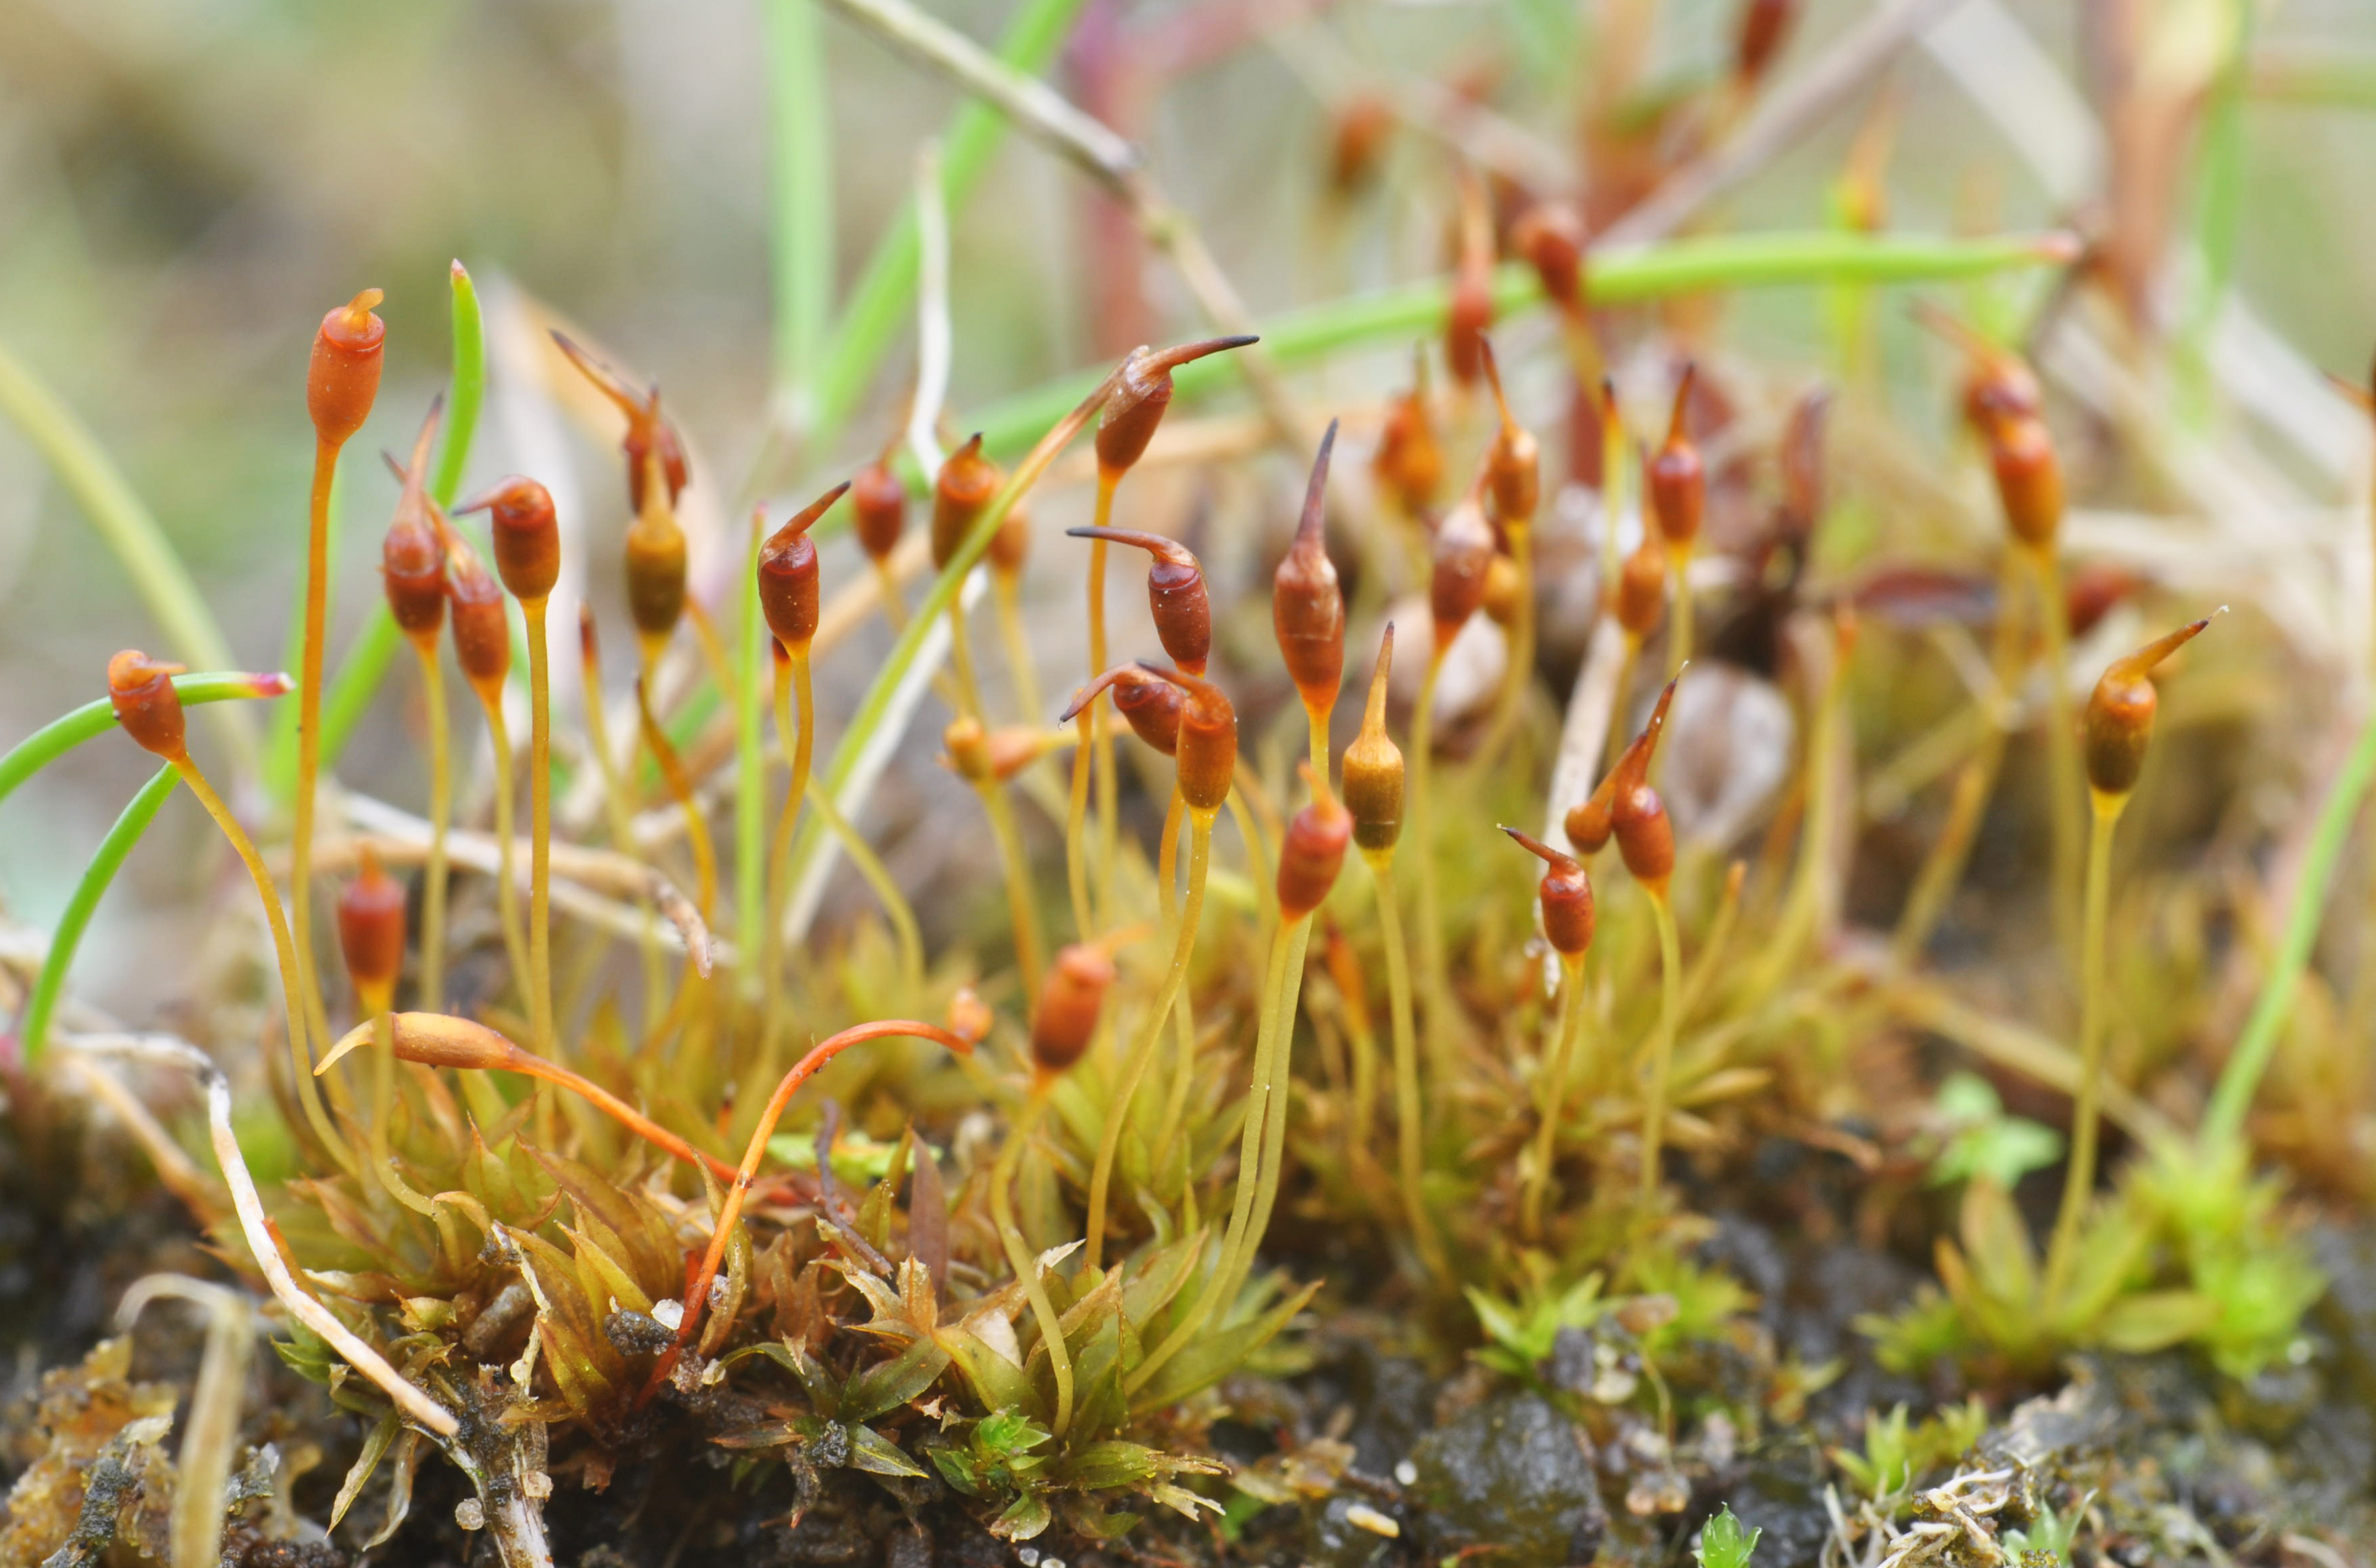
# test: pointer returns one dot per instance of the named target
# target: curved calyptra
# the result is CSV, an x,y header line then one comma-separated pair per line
x,y
1674,487
1176,599
1307,608
650,442
1140,394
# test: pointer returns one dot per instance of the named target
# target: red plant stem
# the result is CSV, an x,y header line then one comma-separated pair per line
x,y
696,1294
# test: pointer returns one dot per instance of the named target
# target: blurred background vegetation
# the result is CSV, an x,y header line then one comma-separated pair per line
x,y
187,185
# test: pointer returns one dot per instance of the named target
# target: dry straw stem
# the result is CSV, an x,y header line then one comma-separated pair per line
x,y
417,1406
1788,113
585,880
439,1039
1114,163
210,1434
131,530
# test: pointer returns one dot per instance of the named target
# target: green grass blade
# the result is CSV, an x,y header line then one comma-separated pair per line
x,y
878,306
2223,1121
67,732
468,391
351,691
801,205
130,529
33,1032
1629,276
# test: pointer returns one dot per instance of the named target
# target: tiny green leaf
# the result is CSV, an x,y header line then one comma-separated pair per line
x,y
1725,1542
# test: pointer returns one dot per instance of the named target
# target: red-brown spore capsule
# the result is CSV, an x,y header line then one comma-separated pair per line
x,y
343,378
1373,765
1641,590
1207,760
527,535
788,589
1513,465
1150,705
1152,709
1011,545
1471,312
656,571
1464,553
413,569
1357,143
412,554
1645,835
1676,481
2120,718
1565,896
1307,606
878,509
650,442
961,491
1409,461
1064,1020
1764,24
2029,480
1175,594
1128,421
483,637
371,933
1313,853
147,706
1591,822
1550,236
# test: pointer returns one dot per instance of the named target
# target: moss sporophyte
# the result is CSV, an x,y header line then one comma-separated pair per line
x,y
551,1189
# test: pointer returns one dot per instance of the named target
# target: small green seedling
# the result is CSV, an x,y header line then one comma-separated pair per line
x,y
1726,1542
1979,1141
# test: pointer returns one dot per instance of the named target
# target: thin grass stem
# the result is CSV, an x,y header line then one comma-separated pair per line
x,y
2079,1174
619,812
507,906
1942,868
1019,1258
2239,1080
2066,783
441,813
1662,1048
1410,1128
896,907
540,838
1432,977
92,719
1150,1030
1552,1101
284,951
1254,1143
794,697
